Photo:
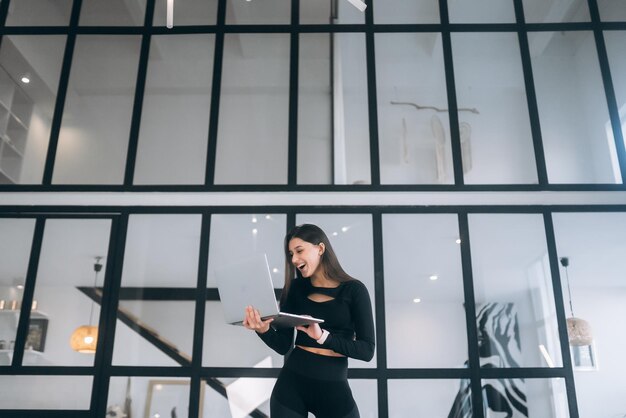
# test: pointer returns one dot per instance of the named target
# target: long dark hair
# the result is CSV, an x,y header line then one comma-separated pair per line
x,y
314,235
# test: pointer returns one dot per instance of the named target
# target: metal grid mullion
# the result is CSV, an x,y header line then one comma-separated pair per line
x,y
57,118
370,62
144,56
470,317
560,314
453,115
29,291
605,70
531,96
200,312
294,60
380,320
108,315
216,88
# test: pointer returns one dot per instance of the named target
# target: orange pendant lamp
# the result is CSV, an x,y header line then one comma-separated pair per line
x,y
84,339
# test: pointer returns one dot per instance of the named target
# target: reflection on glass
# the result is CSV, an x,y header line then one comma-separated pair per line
x,y
45,392
96,121
612,10
244,12
412,110
525,397
234,237
333,135
352,239
242,397
188,12
539,11
254,110
407,11
481,11
67,288
515,310
15,242
153,333
496,141
616,50
429,398
572,108
152,396
594,244
175,116
29,78
39,13
112,13
423,292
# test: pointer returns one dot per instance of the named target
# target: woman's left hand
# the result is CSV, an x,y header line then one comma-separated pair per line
x,y
314,331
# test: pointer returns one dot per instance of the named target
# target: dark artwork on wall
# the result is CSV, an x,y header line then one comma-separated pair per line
x,y
36,339
498,347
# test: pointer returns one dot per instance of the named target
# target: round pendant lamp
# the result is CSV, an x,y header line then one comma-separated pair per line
x,y
578,330
84,339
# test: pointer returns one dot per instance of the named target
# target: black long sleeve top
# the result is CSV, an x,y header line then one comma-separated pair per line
x,y
347,317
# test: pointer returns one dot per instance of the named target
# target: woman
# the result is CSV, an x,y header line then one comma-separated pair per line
x,y
314,376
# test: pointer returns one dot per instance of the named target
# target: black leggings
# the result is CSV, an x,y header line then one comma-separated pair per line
x,y
314,383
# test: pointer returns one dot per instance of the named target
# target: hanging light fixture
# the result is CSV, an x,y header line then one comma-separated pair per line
x,y
85,338
578,330
169,14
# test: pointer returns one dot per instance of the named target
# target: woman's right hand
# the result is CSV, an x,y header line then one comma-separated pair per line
x,y
252,320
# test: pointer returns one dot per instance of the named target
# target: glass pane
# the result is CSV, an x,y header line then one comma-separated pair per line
x,y
188,12
67,292
29,78
481,11
352,239
429,398
539,11
333,134
572,108
412,110
234,237
407,11
594,245
96,122
612,10
45,392
175,116
515,311
241,397
254,110
16,237
153,397
365,393
496,141
112,13
328,12
424,292
525,397
616,50
161,252
39,13
244,12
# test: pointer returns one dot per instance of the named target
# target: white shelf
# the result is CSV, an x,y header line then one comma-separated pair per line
x,y
16,109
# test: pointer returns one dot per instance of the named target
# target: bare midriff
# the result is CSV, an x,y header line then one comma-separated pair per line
x,y
321,351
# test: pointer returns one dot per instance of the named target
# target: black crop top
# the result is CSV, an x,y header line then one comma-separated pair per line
x,y
347,317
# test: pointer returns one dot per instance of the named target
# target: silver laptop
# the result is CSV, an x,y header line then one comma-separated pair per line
x,y
249,282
